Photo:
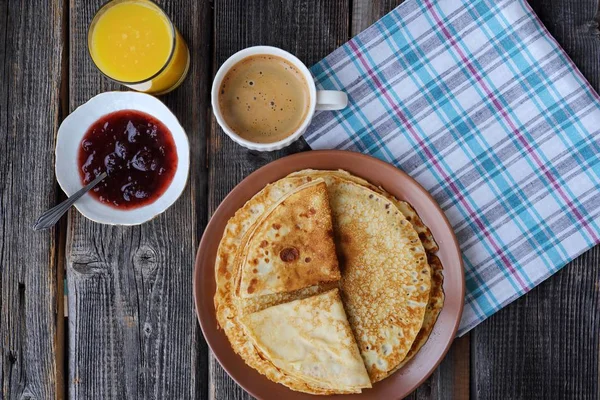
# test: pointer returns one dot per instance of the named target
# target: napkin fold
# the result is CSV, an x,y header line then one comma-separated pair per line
x,y
478,103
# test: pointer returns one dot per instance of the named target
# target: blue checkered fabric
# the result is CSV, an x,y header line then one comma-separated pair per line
x,y
477,102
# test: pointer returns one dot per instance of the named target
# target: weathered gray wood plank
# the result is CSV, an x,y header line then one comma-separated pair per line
x,y
310,30
132,326
30,301
452,378
545,345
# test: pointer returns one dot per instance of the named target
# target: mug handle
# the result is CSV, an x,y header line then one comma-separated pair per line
x,y
331,100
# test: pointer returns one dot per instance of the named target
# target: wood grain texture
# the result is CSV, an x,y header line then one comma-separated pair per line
x,y
451,379
133,332
310,30
30,75
544,345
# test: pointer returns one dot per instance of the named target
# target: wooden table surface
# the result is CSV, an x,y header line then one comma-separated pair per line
x,y
131,330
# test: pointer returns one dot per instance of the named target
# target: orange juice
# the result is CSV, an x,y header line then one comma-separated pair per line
x,y
135,43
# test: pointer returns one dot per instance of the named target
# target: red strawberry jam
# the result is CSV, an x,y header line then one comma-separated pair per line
x,y
136,150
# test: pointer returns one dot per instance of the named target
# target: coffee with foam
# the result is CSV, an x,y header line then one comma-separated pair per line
x,y
264,98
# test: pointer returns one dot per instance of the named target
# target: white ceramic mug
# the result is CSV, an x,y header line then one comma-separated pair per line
x,y
319,100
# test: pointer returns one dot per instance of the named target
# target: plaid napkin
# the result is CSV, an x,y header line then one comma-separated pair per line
x,y
477,102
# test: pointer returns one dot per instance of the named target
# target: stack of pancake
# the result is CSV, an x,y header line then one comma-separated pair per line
x,y
326,283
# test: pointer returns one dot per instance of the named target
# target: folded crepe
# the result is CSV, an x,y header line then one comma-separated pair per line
x,y
230,310
291,247
311,341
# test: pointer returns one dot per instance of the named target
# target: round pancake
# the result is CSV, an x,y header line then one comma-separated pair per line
x,y
436,298
228,310
385,276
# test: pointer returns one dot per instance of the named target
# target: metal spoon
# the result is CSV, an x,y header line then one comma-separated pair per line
x,y
51,217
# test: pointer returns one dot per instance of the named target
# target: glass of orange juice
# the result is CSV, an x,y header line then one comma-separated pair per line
x,y
135,43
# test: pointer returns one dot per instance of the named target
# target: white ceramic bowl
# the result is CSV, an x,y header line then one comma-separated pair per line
x,y
69,138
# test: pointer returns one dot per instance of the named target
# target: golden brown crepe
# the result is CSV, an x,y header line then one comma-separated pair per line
x,y
409,212
228,310
434,307
436,299
291,246
366,245
385,276
310,340
254,304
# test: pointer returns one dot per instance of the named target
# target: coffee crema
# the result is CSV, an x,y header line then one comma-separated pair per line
x,y
264,98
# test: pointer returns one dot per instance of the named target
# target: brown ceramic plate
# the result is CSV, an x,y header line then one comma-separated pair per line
x,y
396,182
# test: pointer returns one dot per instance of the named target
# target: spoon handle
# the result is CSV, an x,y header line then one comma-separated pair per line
x,y
51,217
